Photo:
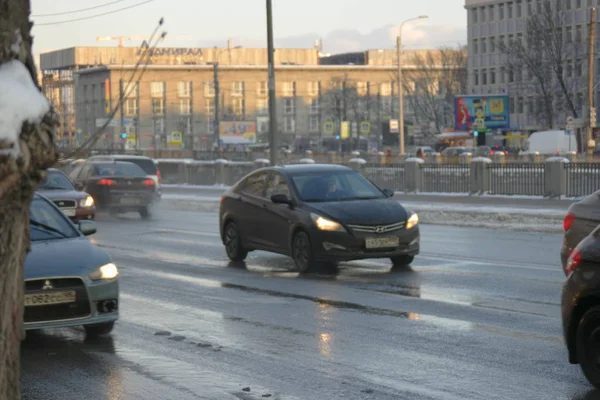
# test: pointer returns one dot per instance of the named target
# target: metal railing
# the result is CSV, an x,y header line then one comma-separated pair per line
x,y
386,176
582,179
523,179
446,178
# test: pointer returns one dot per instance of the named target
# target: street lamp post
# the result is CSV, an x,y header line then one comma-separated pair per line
x,y
272,92
217,89
400,87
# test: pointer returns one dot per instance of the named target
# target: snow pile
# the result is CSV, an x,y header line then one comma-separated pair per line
x,y
20,101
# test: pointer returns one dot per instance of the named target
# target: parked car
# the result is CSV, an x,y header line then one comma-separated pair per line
x,y
118,186
580,220
68,280
316,214
454,151
75,204
581,306
149,165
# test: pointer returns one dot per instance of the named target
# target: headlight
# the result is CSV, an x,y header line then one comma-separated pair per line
x,y
412,221
87,202
105,273
325,224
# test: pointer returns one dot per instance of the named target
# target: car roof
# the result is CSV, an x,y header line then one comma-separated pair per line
x,y
121,156
94,162
299,168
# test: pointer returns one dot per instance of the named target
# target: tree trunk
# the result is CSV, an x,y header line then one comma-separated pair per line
x,y
22,167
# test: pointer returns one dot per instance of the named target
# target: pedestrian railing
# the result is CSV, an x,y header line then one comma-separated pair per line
x,y
582,179
523,179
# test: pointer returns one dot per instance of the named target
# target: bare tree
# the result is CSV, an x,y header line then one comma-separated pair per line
x,y
27,149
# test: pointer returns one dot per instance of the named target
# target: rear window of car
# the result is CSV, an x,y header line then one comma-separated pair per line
x,y
119,169
146,164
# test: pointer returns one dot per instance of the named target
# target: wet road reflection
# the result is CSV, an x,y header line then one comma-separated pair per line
x,y
459,323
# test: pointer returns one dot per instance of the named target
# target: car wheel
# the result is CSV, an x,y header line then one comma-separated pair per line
x,y
302,252
588,345
402,261
145,212
233,243
99,329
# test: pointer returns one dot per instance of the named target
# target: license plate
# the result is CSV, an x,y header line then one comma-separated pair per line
x,y
69,212
376,243
130,200
44,299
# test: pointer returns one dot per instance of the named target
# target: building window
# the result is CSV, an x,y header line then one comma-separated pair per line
x,y
578,34
492,76
261,106
131,107
501,11
184,89
210,108
511,75
509,9
538,6
313,123
579,102
157,89
475,46
484,77
362,88
386,89
520,105
158,106
262,88
314,88
239,107
289,89
475,78
289,124
237,89
568,4
209,89
502,75
568,34
130,90
185,124
386,104
491,12
511,105
529,7
579,68
289,105
482,14
519,39
569,68
519,8
314,106
483,45
474,15
492,41
185,106
159,126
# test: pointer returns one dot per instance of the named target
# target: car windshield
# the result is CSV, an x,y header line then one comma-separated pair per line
x,y
144,163
46,222
335,186
119,169
56,180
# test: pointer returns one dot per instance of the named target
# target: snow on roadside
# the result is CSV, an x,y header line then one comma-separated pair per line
x,y
20,101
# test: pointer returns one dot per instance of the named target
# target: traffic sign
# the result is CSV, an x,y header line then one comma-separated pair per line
x,y
592,117
328,127
394,126
345,131
570,124
365,127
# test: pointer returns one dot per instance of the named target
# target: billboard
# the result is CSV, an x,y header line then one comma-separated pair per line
x,y
481,113
237,132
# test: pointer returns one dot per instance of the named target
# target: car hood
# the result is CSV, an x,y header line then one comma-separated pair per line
x,y
63,257
362,212
58,194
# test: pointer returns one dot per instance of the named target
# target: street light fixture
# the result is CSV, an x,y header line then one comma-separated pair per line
x,y
400,86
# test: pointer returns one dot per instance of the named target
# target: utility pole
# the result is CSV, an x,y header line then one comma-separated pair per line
x,y
400,93
592,111
122,114
217,99
272,92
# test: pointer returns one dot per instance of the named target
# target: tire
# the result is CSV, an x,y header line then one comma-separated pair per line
x,y
145,212
588,350
402,261
233,243
302,252
99,329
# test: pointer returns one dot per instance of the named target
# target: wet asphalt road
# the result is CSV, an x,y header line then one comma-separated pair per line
x,y
476,317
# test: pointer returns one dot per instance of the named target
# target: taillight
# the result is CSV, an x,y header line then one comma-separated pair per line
x,y
568,221
158,174
573,261
106,182
148,182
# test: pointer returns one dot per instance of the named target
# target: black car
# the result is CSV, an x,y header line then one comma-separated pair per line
x,y
317,214
117,186
581,306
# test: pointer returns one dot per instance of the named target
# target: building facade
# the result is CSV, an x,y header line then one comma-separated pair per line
x,y
495,25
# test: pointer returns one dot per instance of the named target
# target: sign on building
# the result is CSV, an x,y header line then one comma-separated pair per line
x,y
328,127
365,127
345,131
481,113
394,127
237,132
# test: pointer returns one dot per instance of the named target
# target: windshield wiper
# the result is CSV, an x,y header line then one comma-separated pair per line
x,y
359,198
48,228
53,187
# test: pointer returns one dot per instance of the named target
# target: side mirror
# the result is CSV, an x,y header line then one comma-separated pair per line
x,y
281,199
87,227
388,192
78,186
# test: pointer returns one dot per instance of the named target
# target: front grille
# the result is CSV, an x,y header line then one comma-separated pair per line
x,y
378,228
65,203
53,312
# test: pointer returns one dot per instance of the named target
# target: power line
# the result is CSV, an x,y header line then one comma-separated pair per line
x,y
80,10
96,15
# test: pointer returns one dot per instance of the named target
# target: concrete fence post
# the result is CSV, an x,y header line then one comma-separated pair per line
x,y
499,158
413,175
534,157
555,177
481,176
436,158
465,158
261,163
221,171
358,164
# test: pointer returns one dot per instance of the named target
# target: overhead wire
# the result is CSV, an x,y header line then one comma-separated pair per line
x,y
79,10
95,15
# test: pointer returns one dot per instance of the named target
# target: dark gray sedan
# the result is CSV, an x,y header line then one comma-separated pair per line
x,y
581,219
68,280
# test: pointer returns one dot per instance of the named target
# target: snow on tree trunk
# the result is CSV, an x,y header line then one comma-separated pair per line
x,y
27,149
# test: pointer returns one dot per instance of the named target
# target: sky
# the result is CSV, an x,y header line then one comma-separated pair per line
x,y
343,25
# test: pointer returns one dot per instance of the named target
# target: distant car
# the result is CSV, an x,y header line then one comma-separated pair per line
x,y
74,204
581,306
68,280
580,220
149,165
118,186
454,151
317,214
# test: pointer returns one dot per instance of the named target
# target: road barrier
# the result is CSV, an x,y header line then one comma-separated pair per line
x,y
556,177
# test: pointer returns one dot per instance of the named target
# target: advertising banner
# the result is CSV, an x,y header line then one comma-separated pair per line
x,y
237,132
481,113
